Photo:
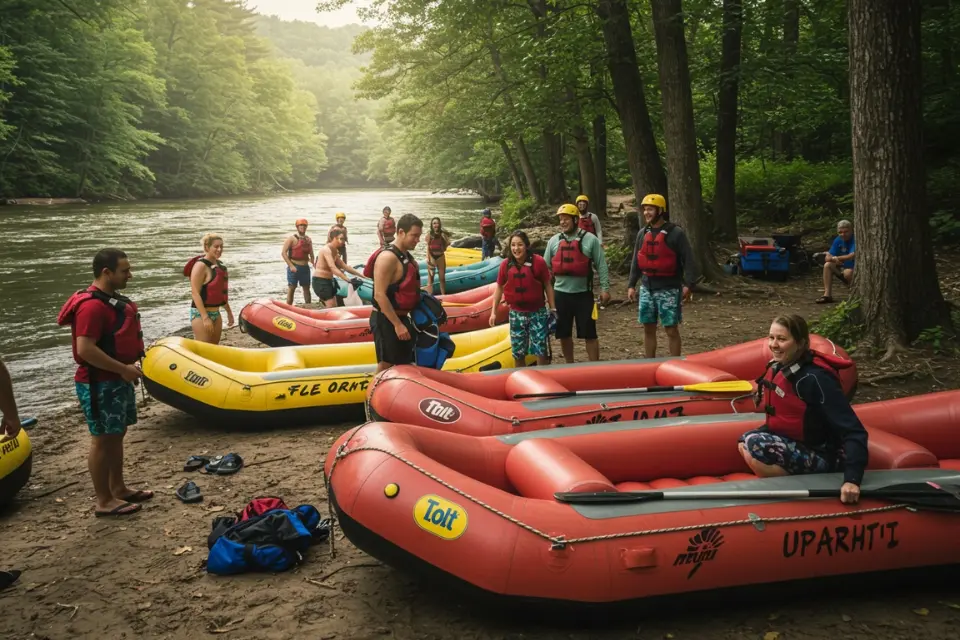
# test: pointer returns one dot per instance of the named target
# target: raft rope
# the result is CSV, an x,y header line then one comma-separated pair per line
x,y
516,422
560,541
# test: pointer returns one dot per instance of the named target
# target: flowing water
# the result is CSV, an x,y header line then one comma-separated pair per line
x,y
47,254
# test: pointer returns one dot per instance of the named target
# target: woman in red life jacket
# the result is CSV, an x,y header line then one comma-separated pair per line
x,y
524,281
437,244
208,290
386,228
811,427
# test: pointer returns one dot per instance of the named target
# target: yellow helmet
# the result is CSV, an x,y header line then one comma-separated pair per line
x,y
656,200
341,214
582,198
568,210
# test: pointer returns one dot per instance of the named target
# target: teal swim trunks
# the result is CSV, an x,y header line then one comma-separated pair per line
x,y
116,406
213,315
664,304
528,333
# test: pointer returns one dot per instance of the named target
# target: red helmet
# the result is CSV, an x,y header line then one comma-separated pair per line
x,y
300,222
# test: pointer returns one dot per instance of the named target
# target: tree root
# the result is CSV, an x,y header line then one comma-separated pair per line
x,y
894,346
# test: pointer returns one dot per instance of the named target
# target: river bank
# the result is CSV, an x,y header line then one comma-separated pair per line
x,y
142,576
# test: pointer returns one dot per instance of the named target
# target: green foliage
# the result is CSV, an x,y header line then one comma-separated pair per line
x,y
514,210
843,324
616,255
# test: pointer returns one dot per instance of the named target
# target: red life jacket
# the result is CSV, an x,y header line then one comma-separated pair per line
x,y
389,229
586,223
213,293
655,258
404,295
301,249
435,246
124,343
570,260
523,291
488,227
784,408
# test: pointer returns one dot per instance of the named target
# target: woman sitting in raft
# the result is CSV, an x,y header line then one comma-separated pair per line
x,y
524,281
811,427
208,290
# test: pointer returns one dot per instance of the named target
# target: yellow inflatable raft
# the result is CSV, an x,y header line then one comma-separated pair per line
x,y
286,386
16,463
457,257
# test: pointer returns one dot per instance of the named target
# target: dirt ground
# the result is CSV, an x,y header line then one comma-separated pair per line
x,y
143,576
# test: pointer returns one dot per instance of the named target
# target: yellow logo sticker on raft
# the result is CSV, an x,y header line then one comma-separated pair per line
x,y
284,324
442,518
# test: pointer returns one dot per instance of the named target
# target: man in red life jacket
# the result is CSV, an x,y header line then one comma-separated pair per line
x,y
663,262
341,225
386,228
588,221
489,243
396,292
107,343
572,255
297,252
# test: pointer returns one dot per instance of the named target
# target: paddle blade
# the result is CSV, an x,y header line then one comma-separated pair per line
x,y
28,422
928,496
724,386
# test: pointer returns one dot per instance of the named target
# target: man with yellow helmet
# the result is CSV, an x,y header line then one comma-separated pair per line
x,y
341,226
297,252
572,254
661,258
588,221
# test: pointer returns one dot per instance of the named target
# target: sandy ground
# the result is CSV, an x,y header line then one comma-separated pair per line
x,y
143,576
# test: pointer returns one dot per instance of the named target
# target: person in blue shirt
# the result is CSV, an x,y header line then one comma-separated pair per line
x,y
839,260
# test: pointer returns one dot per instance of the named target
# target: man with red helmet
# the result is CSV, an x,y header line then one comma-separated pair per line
x,y
297,252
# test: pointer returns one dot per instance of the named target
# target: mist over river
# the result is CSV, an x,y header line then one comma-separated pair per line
x,y
47,254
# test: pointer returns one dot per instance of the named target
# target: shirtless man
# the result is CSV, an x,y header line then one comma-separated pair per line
x,y
329,264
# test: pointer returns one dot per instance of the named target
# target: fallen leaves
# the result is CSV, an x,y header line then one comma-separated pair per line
x,y
923,611
182,550
771,635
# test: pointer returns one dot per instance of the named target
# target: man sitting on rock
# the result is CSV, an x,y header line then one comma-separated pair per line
x,y
838,260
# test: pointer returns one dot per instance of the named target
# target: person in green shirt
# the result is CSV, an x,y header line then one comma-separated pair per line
x,y
572,255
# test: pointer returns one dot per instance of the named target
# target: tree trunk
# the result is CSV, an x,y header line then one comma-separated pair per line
x,y
685,201
528,171
896,276
783,138
643,158
514,172
599,206
588,172
724,196
553,151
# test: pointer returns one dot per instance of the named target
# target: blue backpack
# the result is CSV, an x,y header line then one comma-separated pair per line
x,y
432,347
274,541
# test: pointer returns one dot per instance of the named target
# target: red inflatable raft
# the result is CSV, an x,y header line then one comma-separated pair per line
x,y
487,403
278,324
481,513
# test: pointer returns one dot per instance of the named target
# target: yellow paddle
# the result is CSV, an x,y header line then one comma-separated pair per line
x,y
724,386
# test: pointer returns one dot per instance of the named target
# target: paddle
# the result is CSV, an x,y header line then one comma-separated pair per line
x,y
925,495
725,386
28,422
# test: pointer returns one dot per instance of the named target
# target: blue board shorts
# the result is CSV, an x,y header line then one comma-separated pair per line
x,y
116,406
301,278
663,304
528,333
794,457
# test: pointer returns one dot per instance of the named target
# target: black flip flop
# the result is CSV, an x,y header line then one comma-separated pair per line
x,y
194,463
189,492
231,463
119,511
7,578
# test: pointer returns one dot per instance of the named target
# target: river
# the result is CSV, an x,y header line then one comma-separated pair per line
x,y
48,253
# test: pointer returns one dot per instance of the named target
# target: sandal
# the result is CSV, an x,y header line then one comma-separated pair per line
x,y
138,496
231,463
7,578
194,463
189,492
125,509
823,299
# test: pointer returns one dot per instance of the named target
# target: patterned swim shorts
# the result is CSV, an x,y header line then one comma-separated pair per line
x,y
664,304
528,333
116,406
212,314
795,457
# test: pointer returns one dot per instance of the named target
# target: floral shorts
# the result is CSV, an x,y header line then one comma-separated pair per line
x,y
664,304
794,457
116,406
528,333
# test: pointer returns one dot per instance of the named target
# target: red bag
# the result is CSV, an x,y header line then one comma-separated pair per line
x,y
261,505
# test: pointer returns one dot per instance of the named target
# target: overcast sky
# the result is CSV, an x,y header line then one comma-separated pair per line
x,y
307,10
